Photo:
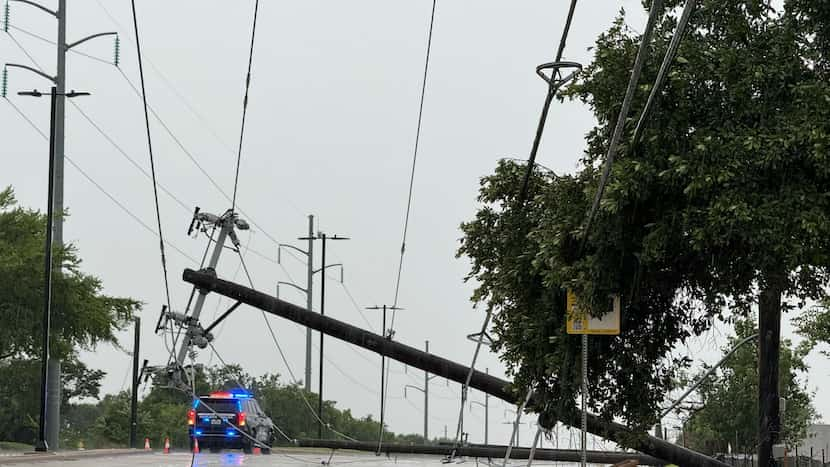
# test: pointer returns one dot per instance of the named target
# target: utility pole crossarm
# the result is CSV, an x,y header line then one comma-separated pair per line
x,y
52,79
92,36
38,6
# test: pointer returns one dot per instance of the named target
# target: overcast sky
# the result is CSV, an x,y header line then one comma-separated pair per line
x,y
331,126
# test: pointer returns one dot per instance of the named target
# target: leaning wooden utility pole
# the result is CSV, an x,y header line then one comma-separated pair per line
x,y
442,367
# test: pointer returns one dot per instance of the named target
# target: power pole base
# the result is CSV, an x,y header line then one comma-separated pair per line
x,y
41,446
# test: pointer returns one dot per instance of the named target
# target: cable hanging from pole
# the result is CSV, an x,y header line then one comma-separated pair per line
x,y
642,52
245,105
554,83
414,158
152,161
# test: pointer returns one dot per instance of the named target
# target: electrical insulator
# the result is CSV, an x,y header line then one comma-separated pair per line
x,y
117,52
5,82
6,20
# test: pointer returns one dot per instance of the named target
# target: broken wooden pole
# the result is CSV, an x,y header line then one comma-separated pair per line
x,y
620,434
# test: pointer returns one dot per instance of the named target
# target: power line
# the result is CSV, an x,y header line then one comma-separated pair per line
x,y
152,162
414,159
245,104
553,87
671,52
99,187
642,52
185,206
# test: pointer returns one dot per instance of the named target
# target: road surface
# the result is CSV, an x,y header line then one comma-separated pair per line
x,y
289,457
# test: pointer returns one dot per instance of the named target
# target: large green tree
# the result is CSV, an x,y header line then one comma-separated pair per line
x,y
733,390
723,204
82,317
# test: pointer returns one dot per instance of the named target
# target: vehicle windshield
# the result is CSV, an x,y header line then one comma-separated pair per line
x,y
218,405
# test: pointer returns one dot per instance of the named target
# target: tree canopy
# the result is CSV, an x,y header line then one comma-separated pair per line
x,y
82,316
726,195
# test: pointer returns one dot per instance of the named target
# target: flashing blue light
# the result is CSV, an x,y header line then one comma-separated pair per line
x,y
240,393
230,433
206,419
198,432
195,403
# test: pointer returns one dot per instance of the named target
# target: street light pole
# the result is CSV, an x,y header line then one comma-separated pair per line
x,y
486,406
134,393
57,134
324,237
44,438
42,444
386,335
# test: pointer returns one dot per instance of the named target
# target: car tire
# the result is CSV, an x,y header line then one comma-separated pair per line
x,y
246,447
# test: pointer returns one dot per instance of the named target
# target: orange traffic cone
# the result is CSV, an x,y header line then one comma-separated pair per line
x,y
167,445
257,450
146,444
195,445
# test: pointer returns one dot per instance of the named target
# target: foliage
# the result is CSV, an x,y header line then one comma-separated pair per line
x,y
814,324
20,394
82,316
726,195
733,390
163,412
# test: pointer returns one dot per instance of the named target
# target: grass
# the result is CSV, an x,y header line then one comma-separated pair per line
x,y
12,446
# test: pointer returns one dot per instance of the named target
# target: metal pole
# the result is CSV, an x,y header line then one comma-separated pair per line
x,y
42,442
382,375
426,399
486,413
309,301
226,227
134,394
584,404
322,313
54,414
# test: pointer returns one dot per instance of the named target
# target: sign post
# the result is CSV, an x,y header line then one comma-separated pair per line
x,y
580,322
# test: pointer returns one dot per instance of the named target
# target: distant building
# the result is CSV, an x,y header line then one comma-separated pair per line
x,y
818,438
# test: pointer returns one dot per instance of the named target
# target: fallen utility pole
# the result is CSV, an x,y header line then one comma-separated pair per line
x,y
559,455
434,364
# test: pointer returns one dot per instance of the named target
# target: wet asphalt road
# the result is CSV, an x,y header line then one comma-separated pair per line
x,y
230,458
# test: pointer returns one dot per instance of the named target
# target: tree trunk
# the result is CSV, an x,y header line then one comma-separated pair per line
x,y
442,367
769,327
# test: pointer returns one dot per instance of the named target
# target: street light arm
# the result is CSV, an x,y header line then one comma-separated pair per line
x,y
279,248
331,266
38,6
476,402
33,70
93,36
292,285
707,374
412,387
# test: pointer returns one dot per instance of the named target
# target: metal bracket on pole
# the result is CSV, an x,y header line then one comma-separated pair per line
x,y
195,334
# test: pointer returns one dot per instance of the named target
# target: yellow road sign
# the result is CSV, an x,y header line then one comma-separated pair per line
x,y
579,322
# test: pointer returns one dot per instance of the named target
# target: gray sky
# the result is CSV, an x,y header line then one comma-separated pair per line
x,y
331,125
